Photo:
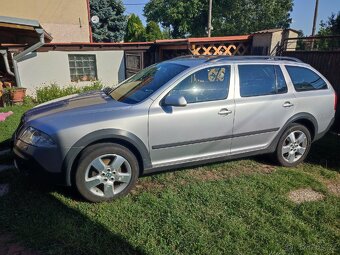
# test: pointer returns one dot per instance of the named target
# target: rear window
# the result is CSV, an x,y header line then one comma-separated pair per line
x,y
305,79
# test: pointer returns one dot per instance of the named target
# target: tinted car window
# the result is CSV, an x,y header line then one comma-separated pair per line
x,y
305,79
146,82
205,85
259,80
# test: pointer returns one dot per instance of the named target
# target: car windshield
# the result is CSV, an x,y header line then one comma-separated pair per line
x,y
146,82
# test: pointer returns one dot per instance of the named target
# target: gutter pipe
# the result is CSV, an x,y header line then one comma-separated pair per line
x,y
16,58
4,56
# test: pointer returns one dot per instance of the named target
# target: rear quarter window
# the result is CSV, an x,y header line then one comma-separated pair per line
x,y
305,79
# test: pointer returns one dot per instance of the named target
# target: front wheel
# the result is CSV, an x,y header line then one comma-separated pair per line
x,y
293,145
106,171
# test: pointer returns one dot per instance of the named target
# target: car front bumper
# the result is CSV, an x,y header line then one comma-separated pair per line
x,y
34,161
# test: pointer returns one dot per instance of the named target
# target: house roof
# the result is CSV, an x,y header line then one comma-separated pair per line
x,y
144,45
273,30
93,46
204,39
20,27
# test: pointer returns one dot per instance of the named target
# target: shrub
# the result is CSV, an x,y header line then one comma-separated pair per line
x,y
53,91
29,101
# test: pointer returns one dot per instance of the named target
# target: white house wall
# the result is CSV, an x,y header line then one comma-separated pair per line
x,y
43,68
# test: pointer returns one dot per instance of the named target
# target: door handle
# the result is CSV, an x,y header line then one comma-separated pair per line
x,y
224,111
287,104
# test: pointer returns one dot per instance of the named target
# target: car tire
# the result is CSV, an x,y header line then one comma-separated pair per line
x,y
293,146
106,171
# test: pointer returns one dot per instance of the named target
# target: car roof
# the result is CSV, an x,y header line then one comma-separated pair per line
x,y
193,61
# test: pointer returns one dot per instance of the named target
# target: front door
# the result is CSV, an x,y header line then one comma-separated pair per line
x,y
202,128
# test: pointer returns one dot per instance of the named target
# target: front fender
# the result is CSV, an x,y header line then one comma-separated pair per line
x,y
100,135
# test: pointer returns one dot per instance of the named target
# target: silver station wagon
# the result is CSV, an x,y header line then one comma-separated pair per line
x,y
182,112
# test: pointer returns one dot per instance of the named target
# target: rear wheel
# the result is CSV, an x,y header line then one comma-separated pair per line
x,y
294,145
106,171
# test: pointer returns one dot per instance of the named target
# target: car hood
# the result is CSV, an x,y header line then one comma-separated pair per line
x,y
96,101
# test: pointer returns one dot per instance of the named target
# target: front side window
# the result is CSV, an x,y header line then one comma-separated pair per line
x,y
305,79
260,80
82,67
208,84
146,82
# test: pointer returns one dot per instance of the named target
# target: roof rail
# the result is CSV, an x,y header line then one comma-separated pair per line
x,y
220,58
189,56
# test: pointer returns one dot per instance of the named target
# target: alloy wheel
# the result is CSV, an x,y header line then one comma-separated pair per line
x,y
294,146
108,175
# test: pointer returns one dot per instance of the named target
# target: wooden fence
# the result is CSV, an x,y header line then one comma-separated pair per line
x,y
327,63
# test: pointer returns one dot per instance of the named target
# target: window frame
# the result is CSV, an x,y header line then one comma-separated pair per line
x,y
81,55
194,70
278,65
310,69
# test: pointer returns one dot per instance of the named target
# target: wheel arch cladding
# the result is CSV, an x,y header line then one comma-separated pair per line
x,y
302,118
307,120
118,136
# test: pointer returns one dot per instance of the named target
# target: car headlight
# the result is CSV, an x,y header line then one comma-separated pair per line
x,y
36,137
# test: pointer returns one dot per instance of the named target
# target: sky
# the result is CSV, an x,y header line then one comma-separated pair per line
x,y
302,14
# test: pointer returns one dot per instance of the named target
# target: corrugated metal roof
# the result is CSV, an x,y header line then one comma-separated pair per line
x,y
19,21
273,30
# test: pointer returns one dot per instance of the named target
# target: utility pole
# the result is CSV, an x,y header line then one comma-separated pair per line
x,y
315,16
209,18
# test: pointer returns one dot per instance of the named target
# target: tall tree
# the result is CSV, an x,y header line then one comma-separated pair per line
x,y
112,21
135,31
179,15
331,26
153,32
229,17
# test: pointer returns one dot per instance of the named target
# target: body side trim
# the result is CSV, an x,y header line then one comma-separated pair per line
x,y
162,146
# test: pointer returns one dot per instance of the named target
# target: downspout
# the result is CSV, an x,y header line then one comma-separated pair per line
x,y
22,54
4,56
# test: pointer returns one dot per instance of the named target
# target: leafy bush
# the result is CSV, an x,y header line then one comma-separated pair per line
x,y
53,91
29,101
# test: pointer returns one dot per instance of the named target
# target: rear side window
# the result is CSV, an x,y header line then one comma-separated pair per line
x,y
260,80
208,84
305,79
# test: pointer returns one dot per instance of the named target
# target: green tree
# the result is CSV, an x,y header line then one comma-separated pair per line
x,y
328,28
179,15
331,26
230,17
112,21
135,31
153,32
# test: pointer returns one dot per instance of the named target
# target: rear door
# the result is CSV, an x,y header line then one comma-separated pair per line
x,y
263,104
201,129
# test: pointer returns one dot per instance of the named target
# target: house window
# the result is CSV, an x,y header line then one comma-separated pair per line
x,y
82,67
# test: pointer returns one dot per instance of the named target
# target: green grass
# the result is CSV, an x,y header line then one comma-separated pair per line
x,y
237,207
8,127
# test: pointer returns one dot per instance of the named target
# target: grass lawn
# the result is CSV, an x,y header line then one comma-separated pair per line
x,y
236,207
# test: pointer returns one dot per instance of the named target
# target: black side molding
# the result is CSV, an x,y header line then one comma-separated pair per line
x,y
163,146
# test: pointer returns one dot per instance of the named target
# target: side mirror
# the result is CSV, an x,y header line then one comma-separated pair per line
x,y
175,100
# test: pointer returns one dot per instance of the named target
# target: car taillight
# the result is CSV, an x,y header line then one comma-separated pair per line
x,y
335,100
